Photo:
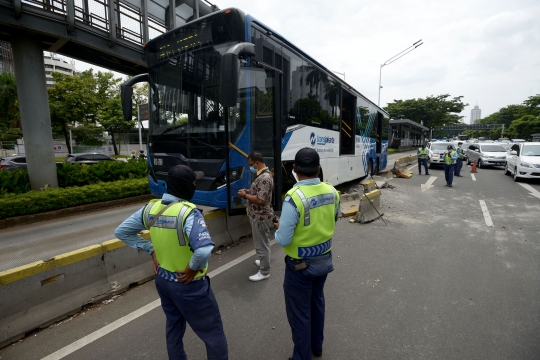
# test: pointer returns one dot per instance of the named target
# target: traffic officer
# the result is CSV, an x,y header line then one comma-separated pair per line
x,y
459,161
422,159
305,231
450,159
180,248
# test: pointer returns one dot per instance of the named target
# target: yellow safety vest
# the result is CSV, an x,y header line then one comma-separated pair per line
x,y
167,233
317,205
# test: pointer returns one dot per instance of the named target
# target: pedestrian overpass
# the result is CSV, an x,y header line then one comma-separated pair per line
x,y
106,33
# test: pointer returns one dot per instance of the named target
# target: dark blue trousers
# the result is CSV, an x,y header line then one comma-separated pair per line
x,y
304,303
195,304
459,165
449,173
420,163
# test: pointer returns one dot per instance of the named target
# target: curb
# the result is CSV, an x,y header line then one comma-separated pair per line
x,y
57,214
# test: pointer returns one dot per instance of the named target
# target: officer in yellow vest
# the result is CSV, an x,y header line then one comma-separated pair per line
x,y
422,159
180,247
450,159
305,231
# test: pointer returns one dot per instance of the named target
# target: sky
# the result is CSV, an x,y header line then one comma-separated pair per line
x,y
487,51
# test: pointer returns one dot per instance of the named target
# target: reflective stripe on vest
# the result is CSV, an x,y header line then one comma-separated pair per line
x,y
316,205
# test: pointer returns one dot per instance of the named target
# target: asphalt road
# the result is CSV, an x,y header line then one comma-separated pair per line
x,y
40,241
436,283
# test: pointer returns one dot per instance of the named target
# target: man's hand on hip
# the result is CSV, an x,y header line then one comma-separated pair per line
x,y
187,275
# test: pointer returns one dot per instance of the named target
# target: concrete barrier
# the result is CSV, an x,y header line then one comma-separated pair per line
x,y
39,294
369,208
401,163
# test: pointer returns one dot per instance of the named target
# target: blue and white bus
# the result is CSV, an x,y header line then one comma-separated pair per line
x,y
225,84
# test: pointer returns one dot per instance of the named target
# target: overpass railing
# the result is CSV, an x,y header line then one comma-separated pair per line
x,y
127,21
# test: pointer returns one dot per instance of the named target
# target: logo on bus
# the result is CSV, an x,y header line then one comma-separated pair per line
x,y
320,140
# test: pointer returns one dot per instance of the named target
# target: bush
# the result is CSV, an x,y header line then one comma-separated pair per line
x,y
15,182
392,151
70,174
34,202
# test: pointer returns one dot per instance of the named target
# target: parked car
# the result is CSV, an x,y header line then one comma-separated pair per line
x,y
486,154
13,163
523,161
435,152
89,158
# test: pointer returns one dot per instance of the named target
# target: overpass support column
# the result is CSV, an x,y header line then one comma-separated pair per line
x,y
34,108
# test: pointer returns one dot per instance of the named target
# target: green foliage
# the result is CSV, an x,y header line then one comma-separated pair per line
x,y
523,127
508,115
392,151
105,171
70,174
88,134
14,181
432,111
9,104
53,199
112,119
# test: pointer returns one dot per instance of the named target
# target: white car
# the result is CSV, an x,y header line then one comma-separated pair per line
x,y
435,152
523,161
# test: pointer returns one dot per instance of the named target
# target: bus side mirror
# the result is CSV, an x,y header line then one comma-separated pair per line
x,y
126,91
228,80
127,104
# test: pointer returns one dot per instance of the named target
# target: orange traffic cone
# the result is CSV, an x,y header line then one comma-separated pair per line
x,y
473,170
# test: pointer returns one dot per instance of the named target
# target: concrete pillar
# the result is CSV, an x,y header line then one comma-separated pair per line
x,y
34,108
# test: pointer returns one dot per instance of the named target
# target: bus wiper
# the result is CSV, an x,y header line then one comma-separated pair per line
x,y
166,131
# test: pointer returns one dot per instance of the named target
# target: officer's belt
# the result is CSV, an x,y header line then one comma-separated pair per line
x,y
301,263
171,276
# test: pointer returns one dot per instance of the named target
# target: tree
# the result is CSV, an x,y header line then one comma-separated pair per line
x,y
112,119
532,105
523,127
9,104
72,100
432,111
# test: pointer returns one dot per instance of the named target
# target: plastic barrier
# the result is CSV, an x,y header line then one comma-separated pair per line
x,y
39,294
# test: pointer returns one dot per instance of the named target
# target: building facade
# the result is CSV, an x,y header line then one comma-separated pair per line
x,y
476,114
6,58
55,64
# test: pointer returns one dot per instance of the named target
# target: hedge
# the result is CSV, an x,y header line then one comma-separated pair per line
x,y
69,174
34,202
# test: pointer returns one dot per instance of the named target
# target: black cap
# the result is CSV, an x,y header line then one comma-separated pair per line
x,y
307,161
459,143
185,173
449,147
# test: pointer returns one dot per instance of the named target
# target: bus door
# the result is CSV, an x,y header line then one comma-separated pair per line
x,y
347,135
260,108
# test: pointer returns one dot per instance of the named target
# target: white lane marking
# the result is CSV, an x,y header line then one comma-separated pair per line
x,y
71,348
428,185
473,177
485,210
532,190
409,168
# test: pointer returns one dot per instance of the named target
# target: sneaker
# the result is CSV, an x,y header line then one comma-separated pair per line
x,y
316,353
258,262
258,277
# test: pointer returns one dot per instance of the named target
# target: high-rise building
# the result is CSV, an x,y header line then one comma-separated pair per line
x,y
52,63
476,114
6,58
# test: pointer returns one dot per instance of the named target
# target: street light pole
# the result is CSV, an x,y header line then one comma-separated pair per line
x,y
394,58
339,74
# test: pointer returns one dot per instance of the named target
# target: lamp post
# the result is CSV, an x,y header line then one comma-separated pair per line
x,y
339,74
394,58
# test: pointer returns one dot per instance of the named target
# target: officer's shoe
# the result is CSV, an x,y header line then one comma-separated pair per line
x,y
258,262
316,353
258,277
